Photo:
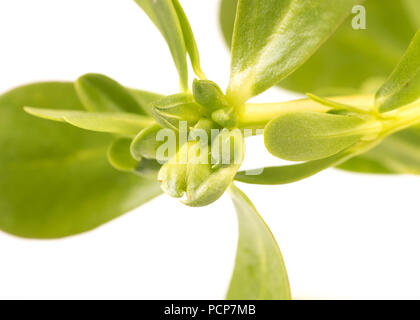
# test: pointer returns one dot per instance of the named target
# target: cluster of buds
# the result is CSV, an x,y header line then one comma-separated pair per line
x,y
197,143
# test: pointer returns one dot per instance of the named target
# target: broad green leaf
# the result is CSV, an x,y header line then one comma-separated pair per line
x,y
260,272
119,155
145,98
164,16
403,86
55,179
398,154
304,136
189,39
99,93
120,123
289,173
227,19
273,38
370,54
363,164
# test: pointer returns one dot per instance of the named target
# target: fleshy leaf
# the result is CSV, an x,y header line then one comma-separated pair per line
x,y
273,38
260,272
145,98
371,54
55,179
304,136
98,93
189,39
172,109
413,10
145,144
120,123
398,154
164,16
289,173
119,155
403,86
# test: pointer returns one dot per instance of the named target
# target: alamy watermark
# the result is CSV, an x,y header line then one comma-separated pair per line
x,y
359,20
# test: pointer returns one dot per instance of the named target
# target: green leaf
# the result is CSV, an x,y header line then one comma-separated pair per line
x,y
147,168
290,173
164,16
120,123
260,272
370,54
169,111
145,144
306,136
189,39
119,155
55,179
227,19
363,164
413,10
273,38
99,93
145,98
403,86
398,154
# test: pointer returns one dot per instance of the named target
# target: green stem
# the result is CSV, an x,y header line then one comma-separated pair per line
x,y
401,118
256,116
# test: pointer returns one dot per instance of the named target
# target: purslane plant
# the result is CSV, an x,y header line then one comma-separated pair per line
x,y
191,144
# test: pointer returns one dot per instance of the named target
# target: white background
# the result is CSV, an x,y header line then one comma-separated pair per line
x,y
342,235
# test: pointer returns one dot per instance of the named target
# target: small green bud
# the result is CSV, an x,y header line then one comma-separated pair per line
x,y
145,143
208,94
98,93
213,185
197,174
203,126
173,174
170,110
226,117
172,178
228,148
207,182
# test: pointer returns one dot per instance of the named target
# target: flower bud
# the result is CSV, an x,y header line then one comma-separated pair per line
x,y
226,117
170,110
203,129
206,182
173,174
145,143
208,94
228,148
206,185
